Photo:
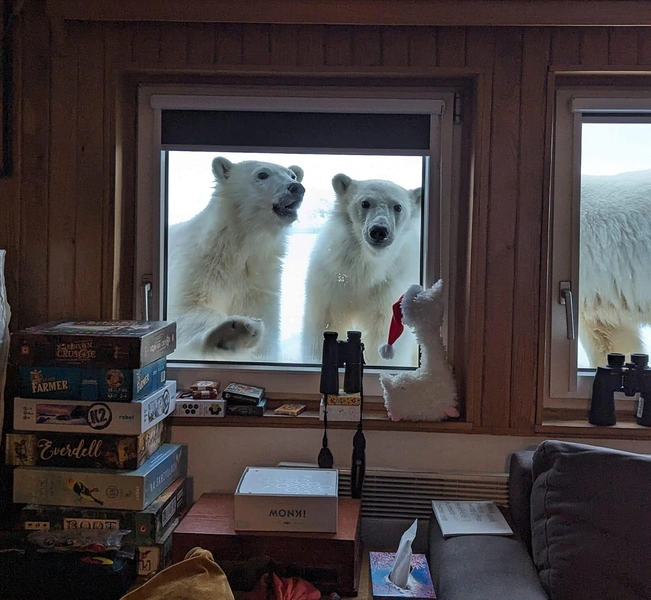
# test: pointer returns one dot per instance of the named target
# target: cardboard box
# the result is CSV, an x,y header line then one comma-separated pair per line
x,y
78,416
156,557
147,526
87,383
279,499
110,344
128,490
340,412
419,585
83,450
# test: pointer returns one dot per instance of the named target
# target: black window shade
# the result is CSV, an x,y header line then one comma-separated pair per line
x,y
258,129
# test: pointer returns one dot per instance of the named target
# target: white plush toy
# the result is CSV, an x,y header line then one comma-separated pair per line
x,y
428,393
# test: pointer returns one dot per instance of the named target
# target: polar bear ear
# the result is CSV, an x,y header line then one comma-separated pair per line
x,y
298,172
417,195
341,183
221,168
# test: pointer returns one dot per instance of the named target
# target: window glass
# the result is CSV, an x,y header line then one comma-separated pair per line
x,y
349,247
615,239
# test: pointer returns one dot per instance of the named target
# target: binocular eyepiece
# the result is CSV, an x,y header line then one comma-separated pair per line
x,y
619,376
347,353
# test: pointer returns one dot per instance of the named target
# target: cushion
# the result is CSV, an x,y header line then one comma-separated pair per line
x,y
591,522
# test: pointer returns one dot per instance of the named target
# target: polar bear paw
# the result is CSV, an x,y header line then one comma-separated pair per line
x,y
235,334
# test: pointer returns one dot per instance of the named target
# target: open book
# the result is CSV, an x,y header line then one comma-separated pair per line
x,y
460,517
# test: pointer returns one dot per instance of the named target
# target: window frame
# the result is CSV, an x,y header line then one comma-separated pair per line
x,y
567,386
443,190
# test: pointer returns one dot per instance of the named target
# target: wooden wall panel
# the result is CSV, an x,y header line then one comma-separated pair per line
x,y
422,46
63,188
565,46
367,47
503,199
89,232
284,45
594,47
256,45
644,46
311,46
77,163
451,47
229,45
480,54
174,47
395,47
339,46
623,46
527,304
31,306
200,43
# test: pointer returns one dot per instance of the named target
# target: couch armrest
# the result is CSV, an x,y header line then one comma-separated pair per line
x,y
481,567
520,483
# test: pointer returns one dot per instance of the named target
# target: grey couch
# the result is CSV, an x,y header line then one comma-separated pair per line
x,y
581,516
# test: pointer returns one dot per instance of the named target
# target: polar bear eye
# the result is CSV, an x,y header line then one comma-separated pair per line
x,y
397,208
366,204
263,175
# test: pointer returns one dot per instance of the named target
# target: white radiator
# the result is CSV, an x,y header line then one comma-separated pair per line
x,y
396,494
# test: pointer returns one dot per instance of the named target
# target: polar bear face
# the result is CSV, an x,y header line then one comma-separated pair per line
x,y
379,210
259,188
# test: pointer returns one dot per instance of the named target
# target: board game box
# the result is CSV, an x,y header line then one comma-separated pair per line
x,y
241,393
105,344
80,416
128,490
85,383
247,410
86,451
147,526
157,556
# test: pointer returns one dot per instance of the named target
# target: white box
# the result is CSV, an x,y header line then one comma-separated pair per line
x,y
278,499
85,416
188,407
341,412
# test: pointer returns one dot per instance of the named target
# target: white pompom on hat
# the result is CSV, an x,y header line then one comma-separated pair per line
x,y
396,328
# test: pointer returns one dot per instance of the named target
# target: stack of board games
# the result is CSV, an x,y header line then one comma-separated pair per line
x,y
90,440
244,399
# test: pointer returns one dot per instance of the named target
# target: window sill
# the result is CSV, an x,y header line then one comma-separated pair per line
x,y
578,426
310,420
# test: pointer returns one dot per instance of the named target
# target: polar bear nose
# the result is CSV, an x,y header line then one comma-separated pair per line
x,y
379,233
296,188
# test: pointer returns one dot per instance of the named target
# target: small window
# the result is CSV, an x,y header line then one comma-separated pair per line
x,y
274,218
600,295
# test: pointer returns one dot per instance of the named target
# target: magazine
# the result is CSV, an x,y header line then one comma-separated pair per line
x,y
460,517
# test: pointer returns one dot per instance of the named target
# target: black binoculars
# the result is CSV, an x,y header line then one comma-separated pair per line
x,y
347,353
620,376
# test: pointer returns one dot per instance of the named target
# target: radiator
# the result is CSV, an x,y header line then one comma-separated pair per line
x,y
396,494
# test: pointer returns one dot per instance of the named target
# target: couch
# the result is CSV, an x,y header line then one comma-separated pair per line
x,y
581,517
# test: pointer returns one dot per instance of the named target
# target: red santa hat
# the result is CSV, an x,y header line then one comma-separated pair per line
x,y
395,330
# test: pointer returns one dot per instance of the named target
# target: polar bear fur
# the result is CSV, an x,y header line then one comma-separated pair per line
x,y
615,263
224,272
427,393
366,255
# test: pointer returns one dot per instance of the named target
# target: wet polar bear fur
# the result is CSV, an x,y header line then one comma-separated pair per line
x,y
427,393
225,263
615,263
365,257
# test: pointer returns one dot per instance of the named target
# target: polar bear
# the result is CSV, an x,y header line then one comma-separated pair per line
x,y
615,263
366,256
224,264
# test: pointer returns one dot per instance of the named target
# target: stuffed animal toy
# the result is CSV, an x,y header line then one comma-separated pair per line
x,y
429,392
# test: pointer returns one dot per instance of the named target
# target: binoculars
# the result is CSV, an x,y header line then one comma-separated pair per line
x,y
347,353
619,376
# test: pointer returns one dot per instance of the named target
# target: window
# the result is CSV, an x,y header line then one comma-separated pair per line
x,y
200,140
600,294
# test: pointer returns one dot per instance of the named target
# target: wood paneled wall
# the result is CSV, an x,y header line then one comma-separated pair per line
x,y
59,211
